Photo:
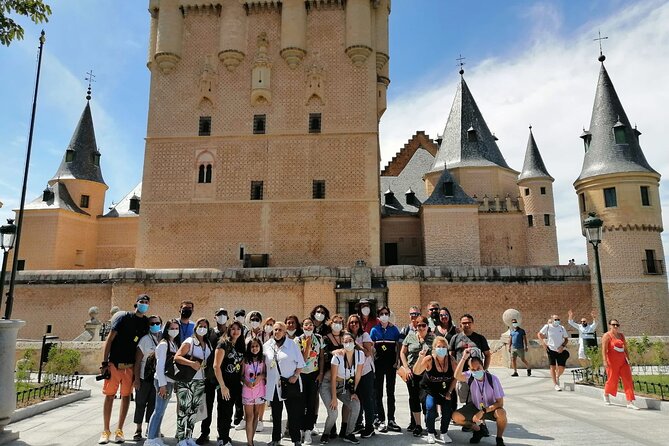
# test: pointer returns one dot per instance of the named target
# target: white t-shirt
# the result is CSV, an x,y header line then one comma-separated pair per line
x,y
344,370
146,345
198,352
555,336
369,360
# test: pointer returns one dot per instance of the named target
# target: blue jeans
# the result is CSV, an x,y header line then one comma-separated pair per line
x,y
159,411
431,404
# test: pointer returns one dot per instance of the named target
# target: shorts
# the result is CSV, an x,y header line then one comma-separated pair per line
x,y
555,358
123,377
518,352
253,401
469,410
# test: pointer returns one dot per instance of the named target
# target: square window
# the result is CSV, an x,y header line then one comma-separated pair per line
x,y
645,196
610,199
256,190
543,190
69,155
448,189
83,203
547,219
314,122
259,124
581,202
530,221
205,126
527,191
318,189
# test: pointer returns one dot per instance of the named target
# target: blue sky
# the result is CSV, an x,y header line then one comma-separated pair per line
x,y
526,62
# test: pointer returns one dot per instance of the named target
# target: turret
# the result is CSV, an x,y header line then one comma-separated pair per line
x,y
358,30
293,32
232,38
169,35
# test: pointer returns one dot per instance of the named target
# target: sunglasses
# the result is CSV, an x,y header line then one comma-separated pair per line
x,y
584,322
615,325
414,314
421,325
556,319
443,316
255,320
320,312
154,323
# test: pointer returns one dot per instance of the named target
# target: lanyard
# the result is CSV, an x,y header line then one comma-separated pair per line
x,y
481,388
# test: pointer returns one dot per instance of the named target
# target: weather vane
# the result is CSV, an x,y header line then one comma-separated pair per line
x,y
90,79
599,39
461,63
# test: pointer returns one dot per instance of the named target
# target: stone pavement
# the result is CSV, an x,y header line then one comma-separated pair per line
x,y
538,415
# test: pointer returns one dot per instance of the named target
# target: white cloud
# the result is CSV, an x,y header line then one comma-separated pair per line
x,y
551,85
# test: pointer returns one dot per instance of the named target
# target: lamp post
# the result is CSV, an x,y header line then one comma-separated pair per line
x,y
593,233
7,238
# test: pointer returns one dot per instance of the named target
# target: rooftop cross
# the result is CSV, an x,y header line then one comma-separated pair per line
x,y
461,63
599,39
90,79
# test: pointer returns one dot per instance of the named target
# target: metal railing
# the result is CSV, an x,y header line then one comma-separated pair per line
x,y
598,377
58,386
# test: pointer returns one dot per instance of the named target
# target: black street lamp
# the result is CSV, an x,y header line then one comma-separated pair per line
x,y
593,233
7,238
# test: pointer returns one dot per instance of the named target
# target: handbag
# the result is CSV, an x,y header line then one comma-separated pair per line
x,y
402,373
288,390
180,372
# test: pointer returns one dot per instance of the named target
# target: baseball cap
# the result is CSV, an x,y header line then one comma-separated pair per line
x,y
221,311
143,297
240,312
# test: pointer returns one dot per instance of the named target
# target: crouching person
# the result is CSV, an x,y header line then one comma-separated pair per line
x,y
486,401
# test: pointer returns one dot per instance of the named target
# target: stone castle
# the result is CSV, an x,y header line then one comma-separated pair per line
x,y
262,159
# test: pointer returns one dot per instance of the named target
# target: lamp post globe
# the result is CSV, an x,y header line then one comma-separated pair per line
x,y
593,228
7,239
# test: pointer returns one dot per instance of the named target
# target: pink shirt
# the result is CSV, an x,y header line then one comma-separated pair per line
x,y
250,372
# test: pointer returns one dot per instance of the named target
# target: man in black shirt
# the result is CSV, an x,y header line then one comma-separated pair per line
x,y
118,363
468,338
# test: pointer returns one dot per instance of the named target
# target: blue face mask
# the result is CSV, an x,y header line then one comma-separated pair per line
x,y
154,329
478,374
142,308
441,351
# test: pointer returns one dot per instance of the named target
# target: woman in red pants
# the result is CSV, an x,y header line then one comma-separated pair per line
x,y
617,364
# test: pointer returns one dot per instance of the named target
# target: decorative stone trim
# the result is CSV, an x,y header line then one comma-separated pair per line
x,y
166,61
358,54
293,56
231,58
381,60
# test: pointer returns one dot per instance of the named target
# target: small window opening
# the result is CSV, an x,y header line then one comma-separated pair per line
x,y
79,258
96,159
314,122
204,128
448,188
241,253
256,190
69,155
530,220
259,124
619,133
83,203
134,204
47,194
318,189
645,196
581,202
547,219
586,137
471,135
610,199
652,265
527,191
543,190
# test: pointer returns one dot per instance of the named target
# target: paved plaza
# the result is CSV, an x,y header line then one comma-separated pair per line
x,y
538,415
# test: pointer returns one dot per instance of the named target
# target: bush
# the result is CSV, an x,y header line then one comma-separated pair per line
x,y
25,365
595,357
63,361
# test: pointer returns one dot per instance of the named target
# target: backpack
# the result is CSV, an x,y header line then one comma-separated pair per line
x,y
150,366
471,380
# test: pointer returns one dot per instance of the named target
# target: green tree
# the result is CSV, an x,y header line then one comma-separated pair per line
x,y
36,10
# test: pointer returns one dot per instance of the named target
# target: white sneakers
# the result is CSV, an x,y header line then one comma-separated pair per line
x,y
630,405
558,388
260,426
118,436
445,438
307,437
430,438
241,426
104,437
607,400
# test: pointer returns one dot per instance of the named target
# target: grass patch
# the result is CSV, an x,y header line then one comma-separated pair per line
x,y
657,379
22,385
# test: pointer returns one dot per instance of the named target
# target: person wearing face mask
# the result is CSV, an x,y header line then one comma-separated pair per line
x,y
293,327
486,401
210,383
186,326
366,386
616,361
586,335
239,423
386,338
268,329
166,348
331,343
518,347
413,344
311,346
320,315
437,387
254,326
433,314
145,392
554,338
193,353
468,338
284,363
367,315
119,361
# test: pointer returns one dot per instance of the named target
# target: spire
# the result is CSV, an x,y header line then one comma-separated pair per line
x,y
534,166
467,141
611,143
82,158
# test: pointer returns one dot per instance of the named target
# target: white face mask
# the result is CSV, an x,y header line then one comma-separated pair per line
x,y
255,324
240,319
268,329
365,311
308,332
291,332
222,319
349,346
320,317
173,333
384,318
201,331
336,328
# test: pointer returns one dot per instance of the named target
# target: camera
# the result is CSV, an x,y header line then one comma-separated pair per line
x,y
104,375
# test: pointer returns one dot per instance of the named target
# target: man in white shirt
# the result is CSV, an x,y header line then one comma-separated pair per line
x,y
586,335
554,338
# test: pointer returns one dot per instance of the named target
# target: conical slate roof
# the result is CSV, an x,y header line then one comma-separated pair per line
x,y
604,156
60,199
534,166
439,197
83,164
456,148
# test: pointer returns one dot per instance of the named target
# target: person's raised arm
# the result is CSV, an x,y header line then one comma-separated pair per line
x,y
461,366
423,363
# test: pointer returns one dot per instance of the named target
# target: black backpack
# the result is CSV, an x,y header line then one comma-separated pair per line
x,y
150,366
471,380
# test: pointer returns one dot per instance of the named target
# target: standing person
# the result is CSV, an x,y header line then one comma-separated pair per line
x,y
518,347
118,361
311,346
284,363
437,386
254,389
468,338
413,344
414,312
617,364
554,338
445,328
320,315
293,327
228,370
367,316
386,338
145,391
254,324
268,329
186,326
365,390
586,335
433,314
194,353
341,382
486,402
210,383
240,316
332,342
165,350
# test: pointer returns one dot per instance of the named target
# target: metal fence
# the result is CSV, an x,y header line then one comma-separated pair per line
x,y
598,377
58,386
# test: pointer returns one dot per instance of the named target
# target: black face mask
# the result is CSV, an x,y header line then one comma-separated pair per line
x,y
585,324
186,312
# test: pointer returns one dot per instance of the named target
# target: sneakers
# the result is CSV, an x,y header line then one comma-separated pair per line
x,y
476,437
274,443
240,426
558,388
630,405
358,429
350,438
529,372
315,432
307,437
260,427
411,425
417,431
138,436
325,439
445,438
118,436
607,401
514,374
499,441
430,438
393,426
484,430
104,437
202,439
382,427
367,432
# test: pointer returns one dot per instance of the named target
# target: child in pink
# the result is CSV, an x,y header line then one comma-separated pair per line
x,y
253,391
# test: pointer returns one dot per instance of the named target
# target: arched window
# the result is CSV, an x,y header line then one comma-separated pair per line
x,y
207,174
201,174
204,163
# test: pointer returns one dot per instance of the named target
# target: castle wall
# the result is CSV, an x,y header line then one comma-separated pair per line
x,y
491,181
451,235
502,237
117,242
407,232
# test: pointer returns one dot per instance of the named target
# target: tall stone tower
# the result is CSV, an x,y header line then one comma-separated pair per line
x,y
619,185
536,195
262,139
